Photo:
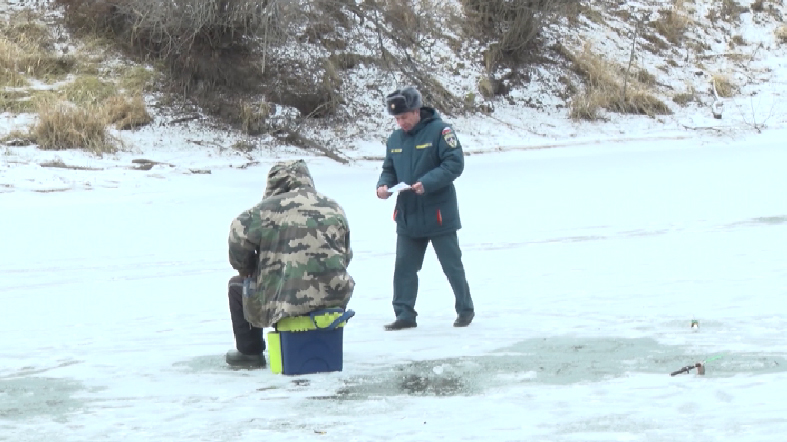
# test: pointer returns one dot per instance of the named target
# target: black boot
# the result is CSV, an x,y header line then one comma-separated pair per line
x,y
400,324
237,359
248,339
464,320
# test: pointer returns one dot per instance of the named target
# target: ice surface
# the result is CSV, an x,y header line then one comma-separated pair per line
x,y
586,264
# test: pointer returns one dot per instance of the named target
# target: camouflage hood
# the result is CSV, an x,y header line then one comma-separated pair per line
x,y
288,176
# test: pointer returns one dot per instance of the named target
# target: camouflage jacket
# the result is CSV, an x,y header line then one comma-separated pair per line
x,y
295,246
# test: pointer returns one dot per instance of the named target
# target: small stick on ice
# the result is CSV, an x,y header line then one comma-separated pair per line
x,y
700,366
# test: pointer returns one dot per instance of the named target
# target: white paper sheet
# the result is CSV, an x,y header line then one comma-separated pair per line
x,y
399,187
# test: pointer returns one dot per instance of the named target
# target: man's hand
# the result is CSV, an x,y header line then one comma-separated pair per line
x,y
383,193
418,188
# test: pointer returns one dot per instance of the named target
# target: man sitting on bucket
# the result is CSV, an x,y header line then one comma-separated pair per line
x,y
291,252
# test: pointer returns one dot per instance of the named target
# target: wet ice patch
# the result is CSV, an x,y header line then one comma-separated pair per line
x,y
554,361
203,364
762,220
28,397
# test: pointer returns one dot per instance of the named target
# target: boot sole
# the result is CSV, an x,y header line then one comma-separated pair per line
x,y
387,328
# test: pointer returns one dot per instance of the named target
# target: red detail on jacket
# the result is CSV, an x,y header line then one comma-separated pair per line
x,y
439,218
395,212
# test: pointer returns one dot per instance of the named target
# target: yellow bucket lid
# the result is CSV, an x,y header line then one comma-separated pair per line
x,y
321,319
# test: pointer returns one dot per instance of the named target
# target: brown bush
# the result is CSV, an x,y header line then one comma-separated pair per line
x,y
216,53
312,88
408,21
513,25
205,43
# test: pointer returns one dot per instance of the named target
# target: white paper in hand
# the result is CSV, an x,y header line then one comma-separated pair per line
x,y
399,187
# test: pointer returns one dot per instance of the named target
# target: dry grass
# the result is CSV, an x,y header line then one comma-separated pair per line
x,y
15,102
253,116
410,25
77,116
656,43
685,98
586,106
644,77
16,136
88,89
137,79
781,34
604,90
727,10
673,22
737,40
126,112
26,50
486,87
22,101
64,126
11,78
724,87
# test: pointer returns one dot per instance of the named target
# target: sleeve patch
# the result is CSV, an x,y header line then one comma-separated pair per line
x,y
450,137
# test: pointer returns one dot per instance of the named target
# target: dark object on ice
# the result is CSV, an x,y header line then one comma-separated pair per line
x,y
61,165
400,324
699,366
464,320
146,161
237,359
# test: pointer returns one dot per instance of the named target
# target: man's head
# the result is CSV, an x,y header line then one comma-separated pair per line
x,y
288,176
405,105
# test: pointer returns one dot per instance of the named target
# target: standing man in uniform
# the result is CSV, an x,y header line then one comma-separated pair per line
x,y
425,154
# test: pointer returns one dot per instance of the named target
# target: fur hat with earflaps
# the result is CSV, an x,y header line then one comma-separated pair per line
x,y
403,100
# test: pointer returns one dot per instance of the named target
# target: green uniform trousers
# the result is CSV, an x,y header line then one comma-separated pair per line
x,y
409,260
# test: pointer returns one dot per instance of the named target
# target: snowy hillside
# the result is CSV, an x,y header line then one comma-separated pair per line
x,y
734,45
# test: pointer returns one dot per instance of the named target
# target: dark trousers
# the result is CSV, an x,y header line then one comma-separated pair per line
x,y
248,339
409,260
